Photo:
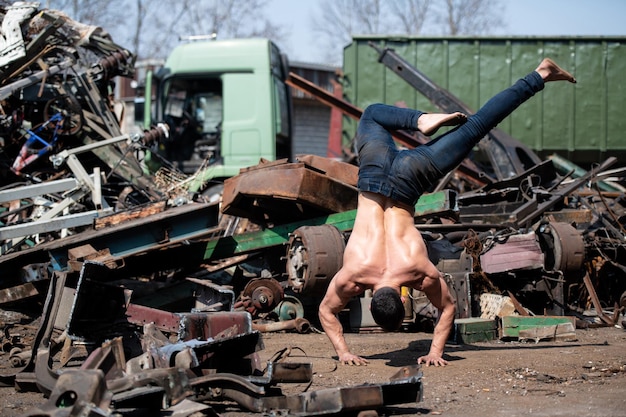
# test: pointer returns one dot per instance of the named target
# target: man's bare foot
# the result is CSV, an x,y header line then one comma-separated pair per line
x,y
429,123
550,71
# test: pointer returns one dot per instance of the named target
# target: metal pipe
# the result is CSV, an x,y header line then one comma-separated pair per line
x,y
298,324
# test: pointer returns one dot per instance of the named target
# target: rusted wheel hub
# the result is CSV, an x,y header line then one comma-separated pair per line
x,y
314,255
565,247
264,294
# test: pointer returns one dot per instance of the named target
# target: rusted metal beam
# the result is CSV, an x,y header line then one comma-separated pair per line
x,y
596,301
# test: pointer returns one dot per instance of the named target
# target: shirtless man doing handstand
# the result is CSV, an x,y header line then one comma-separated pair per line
x,y
385,251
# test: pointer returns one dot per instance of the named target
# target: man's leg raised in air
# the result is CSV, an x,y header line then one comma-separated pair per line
x,y
379,117
449,149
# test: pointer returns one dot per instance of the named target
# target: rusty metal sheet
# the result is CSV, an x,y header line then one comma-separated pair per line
x,y
286,192
341,171
405,387
212,324
517,252
19,292
191,325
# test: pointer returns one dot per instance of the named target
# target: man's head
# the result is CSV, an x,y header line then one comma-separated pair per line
x,y
387,309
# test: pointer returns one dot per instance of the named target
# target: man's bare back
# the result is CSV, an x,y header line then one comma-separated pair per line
x,y
386,247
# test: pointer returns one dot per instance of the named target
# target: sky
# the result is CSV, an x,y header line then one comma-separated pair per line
x,y
522,18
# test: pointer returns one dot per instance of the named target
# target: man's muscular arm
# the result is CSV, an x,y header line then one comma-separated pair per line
x,y
438,293
334,301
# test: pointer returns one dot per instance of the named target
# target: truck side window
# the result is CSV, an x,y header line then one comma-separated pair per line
x,y
209,112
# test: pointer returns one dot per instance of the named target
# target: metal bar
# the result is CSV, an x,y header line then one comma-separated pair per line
x,y
564,166
10,89
51,225
596,301
35,190
225,247
58,158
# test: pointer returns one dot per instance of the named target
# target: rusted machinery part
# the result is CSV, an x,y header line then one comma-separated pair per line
x,y
300,325
156,134
290,308
263,294
314,255
76,392
114,64
71,111
565,247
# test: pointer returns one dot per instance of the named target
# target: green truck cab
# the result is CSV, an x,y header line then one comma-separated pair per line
x,y
226,103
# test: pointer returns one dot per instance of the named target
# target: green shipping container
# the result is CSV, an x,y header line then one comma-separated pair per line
x,y
583,122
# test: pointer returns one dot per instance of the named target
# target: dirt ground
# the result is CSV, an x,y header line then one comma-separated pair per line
x,y
586,377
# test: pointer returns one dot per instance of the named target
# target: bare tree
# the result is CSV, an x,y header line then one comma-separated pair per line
x,y
232,19
411,14
151,28
470,17
108,14
338,20
145,27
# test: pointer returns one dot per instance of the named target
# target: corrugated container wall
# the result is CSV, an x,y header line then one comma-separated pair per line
x,y
584,123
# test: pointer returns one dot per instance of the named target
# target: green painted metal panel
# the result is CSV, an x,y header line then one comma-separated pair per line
x,y
463,67
559,101
527,121
473,330
614,119
394,92
225,247
512,325
581,122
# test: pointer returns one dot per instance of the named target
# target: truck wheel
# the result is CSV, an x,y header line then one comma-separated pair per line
x,y
314,255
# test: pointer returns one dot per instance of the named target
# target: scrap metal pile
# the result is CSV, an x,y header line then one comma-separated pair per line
x,y
120,292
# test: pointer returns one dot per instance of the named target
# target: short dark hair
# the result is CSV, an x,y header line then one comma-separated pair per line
x,y
387,309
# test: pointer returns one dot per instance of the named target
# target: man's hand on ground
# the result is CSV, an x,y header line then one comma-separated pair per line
x,y
432,360
350,359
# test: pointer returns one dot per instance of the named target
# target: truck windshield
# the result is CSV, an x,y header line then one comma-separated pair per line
x,y
192,107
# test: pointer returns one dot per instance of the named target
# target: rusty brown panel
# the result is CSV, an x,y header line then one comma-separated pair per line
x,y
163,320
341,171
17,293
518,252
293,183
203,326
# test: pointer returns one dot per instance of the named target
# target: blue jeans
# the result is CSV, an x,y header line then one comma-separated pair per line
x,y
404,175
